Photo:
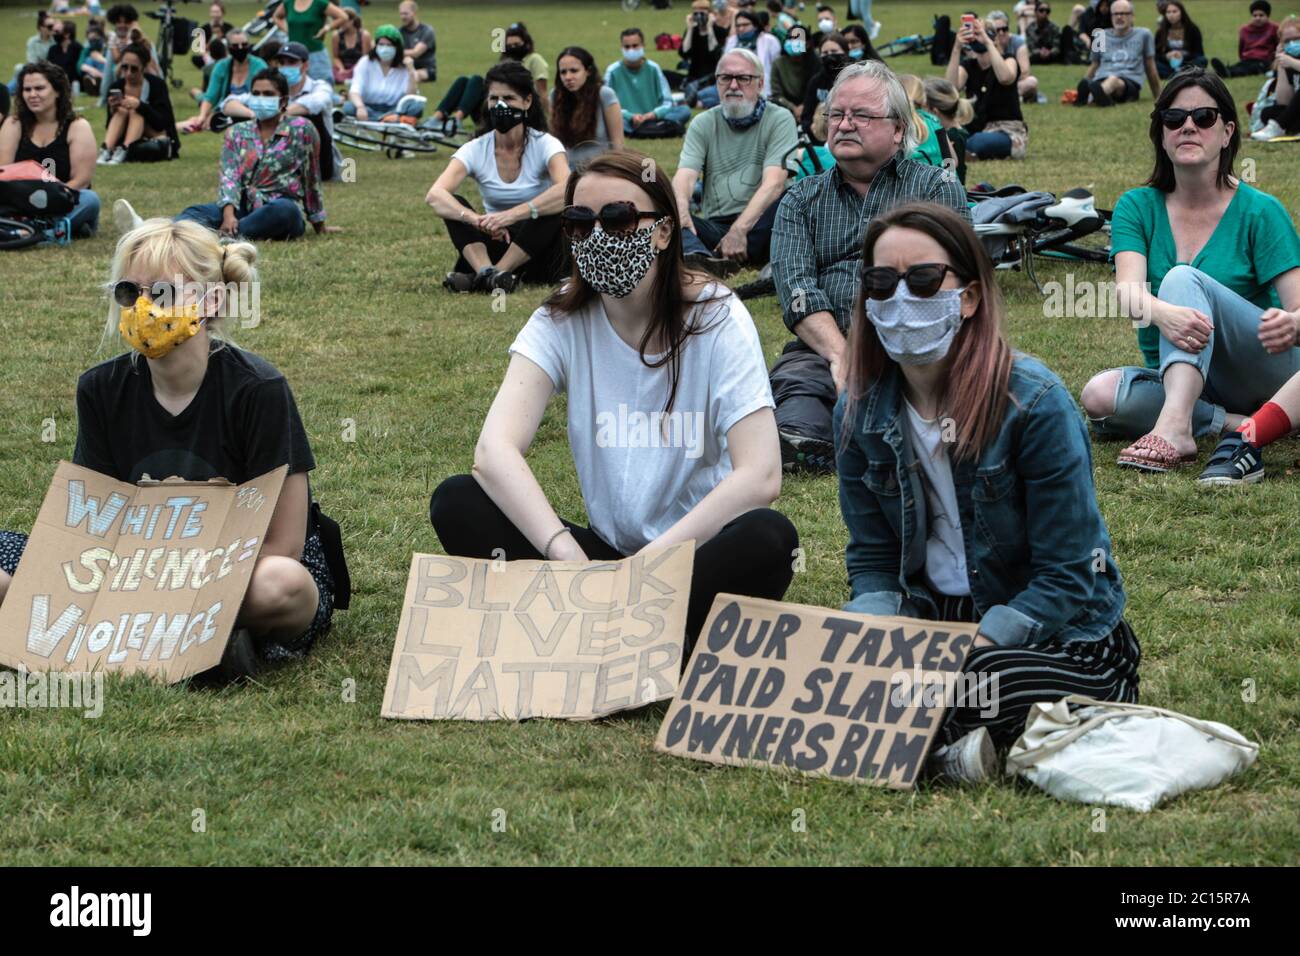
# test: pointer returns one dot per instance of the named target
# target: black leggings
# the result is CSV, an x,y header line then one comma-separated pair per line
x,y
465,95
540,238
1013,679
752,555
1288,117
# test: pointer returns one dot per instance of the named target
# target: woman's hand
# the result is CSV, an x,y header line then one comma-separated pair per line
x,y
129,103
229,222
322,32
496,224
1278,330
1185,328
363,114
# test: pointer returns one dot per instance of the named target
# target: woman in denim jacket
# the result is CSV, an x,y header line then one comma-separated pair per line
x,y
966,483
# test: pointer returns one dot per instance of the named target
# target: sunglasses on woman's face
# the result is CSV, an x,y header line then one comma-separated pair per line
x,y
128,68
923,280
239,48
1202,116
579,221
126,292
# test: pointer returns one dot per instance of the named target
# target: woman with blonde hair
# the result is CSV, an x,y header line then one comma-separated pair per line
x,y
929,145
954,111
183,401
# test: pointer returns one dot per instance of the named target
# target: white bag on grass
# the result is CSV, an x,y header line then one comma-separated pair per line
x,y
1125,755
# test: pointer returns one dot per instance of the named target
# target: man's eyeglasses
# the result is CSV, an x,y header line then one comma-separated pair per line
x,y
858,117
1202,116
740,79
616,217
923,280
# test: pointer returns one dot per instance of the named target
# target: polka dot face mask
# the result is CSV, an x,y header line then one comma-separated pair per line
x,y
916,330
150,330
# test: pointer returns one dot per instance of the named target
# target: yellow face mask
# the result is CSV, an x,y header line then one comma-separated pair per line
x,y
154,332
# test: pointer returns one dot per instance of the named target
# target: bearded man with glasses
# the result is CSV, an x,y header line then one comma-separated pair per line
x,y
737,151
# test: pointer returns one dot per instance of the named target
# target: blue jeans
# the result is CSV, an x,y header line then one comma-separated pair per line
x,y
278,219
320,67
377,110
709,232
1239,374
705,89
989,145
85,217
679,114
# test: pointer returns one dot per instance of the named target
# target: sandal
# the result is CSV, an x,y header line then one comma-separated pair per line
x,y
1163,459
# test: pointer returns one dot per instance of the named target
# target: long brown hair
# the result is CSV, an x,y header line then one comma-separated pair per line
x,y
573,115
976,389
673,320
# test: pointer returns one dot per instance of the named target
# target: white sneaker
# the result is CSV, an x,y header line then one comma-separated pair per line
x,y
875,29
105,154
125,217
1272,130
972,759
118,157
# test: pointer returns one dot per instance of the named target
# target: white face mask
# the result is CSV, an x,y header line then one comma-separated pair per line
x,y
913,330
825,25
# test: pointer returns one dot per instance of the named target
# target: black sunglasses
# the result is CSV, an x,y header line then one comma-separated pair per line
x,y
924,280
126,292
578,221
1202,116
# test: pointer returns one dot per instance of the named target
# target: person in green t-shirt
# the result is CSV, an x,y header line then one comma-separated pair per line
x,y
738,150
1219,334
305,22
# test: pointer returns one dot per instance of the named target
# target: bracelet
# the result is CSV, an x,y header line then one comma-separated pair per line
x,y
533,209
546,552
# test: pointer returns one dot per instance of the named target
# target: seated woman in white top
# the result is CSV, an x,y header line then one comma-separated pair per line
x,y
585,113
521,171
670,414
380,80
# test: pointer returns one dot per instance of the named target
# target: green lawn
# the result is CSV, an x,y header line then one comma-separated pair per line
x,y
286,772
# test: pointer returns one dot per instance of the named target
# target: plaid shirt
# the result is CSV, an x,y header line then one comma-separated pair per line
x,y
253,173
817,237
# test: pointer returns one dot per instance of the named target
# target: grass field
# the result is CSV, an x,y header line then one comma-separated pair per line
x,y
287,772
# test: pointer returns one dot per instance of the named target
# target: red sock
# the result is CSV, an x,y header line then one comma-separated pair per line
x,y
1266,426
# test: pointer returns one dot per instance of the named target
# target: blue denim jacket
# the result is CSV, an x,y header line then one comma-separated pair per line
x,y
1038,555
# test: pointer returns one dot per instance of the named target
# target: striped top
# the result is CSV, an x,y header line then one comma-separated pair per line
x,y
817,237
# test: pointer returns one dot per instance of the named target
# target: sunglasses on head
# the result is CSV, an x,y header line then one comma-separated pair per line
x,y
126,292
578,221
923,280
1202,116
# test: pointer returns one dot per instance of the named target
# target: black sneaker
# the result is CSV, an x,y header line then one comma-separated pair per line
x,y
1099,95
483,279
506,281
801,453
458,282
756,289
1234,462
242,660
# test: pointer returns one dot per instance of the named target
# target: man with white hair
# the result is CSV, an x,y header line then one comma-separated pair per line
x,y
817,247
1119,61
738,148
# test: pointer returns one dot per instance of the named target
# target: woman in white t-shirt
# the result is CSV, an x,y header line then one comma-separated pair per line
x,y
670,415
521,172
380,80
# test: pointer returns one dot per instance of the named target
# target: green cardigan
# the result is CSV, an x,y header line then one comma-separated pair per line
x,y
219,84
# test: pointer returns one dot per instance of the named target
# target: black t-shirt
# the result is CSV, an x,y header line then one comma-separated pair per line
x,y
704,61
993,101
241,423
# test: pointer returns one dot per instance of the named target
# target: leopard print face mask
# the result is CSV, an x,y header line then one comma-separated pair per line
x,y
614,263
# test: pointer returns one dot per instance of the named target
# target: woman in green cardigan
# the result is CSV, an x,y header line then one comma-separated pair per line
x,y
230,76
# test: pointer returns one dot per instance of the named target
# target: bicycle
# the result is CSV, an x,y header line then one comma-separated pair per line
x,y
164,49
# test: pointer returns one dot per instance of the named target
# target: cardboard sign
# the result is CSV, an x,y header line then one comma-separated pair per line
x,y
507,640
828,693
129,578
